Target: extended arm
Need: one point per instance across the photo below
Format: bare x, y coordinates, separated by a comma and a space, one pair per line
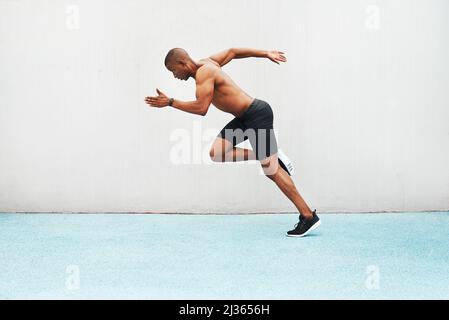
247, 53
226, 56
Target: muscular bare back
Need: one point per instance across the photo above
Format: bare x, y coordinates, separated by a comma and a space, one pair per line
228, 96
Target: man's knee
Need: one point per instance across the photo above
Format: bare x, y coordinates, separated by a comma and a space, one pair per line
212, 155
270, 168
218, 149
216, 155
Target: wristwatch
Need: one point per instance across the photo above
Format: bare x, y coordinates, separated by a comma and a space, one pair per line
170, 101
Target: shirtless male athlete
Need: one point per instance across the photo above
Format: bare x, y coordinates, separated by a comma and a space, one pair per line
253, 120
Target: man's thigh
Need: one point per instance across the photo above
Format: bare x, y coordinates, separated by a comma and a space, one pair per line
233, 132
264, 143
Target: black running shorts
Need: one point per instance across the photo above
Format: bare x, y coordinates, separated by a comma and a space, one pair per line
256, 124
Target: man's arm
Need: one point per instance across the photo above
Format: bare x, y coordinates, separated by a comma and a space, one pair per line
225, 56
247, 53
204, 93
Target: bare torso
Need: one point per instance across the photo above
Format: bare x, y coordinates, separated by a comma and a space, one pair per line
228, 96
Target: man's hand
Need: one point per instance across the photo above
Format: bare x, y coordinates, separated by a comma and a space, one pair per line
159, 102
276, 56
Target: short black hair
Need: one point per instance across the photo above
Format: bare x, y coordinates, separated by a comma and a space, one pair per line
174, 55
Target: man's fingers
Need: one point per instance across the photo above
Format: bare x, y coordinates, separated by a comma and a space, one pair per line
153, 101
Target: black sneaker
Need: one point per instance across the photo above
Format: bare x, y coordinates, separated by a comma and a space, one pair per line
305, 226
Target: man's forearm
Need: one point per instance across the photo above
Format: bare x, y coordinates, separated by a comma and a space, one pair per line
248, 52
189, 106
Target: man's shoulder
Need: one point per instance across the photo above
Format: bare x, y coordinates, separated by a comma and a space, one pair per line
207, 70
208, 61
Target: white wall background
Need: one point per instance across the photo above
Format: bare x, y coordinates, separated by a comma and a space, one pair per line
361, 106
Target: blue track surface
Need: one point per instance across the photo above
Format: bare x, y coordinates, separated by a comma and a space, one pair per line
351, 256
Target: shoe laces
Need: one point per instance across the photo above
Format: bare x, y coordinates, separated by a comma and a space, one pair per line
301, 220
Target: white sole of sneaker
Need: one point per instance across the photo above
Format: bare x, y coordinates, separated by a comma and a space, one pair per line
316, 225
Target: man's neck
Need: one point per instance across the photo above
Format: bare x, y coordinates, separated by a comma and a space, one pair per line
194, 66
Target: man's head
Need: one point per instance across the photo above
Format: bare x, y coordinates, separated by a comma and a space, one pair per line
179, 62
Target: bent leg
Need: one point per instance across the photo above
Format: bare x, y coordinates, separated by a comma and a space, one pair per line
223, 150
275, 173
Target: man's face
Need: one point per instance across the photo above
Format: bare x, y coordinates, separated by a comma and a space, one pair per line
180, 71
